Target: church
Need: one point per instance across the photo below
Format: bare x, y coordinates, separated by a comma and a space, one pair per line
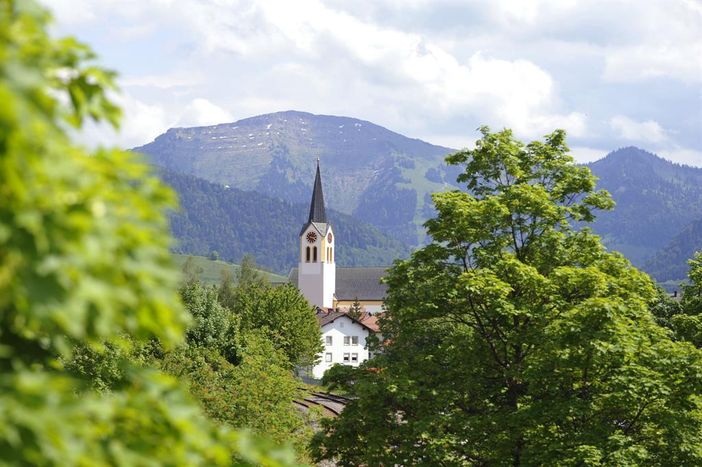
332, 290
320, 281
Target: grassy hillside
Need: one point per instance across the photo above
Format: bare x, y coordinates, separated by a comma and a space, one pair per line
211, 271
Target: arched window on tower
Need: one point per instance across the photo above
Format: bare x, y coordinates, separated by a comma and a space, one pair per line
331, 255
307, 257
314, 254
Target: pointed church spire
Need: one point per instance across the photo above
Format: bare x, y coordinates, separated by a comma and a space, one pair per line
317, 211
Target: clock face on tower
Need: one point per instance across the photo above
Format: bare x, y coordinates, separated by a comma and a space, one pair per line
329, 237
311, 237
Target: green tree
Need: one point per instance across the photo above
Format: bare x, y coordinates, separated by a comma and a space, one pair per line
284, 316
692, 292
356, 310
256, 393
191, 271
83, 260
248, 274
687, 322
514, 339
226, 292
214, 327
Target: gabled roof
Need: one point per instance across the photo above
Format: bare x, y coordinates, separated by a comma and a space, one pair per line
325, 318
352, 283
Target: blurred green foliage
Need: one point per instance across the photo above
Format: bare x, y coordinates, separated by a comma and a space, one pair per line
84, 260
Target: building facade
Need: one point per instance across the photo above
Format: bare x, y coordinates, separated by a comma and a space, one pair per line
344, 339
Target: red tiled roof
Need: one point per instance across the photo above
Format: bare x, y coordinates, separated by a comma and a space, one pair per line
366, 320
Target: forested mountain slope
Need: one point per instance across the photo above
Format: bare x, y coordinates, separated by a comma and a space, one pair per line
235, 222
670, 263
372, 173
656, 199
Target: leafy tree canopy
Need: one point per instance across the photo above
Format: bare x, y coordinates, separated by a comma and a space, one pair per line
284, 316
279, 312
84, 259
515, 339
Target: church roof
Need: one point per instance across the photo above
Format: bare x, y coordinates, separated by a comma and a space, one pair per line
352, 283
317, 211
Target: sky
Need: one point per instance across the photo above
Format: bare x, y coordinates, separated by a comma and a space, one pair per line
612, 73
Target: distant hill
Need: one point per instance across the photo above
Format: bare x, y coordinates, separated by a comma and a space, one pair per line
210, 271
383, 178
656, 199
670, 263
235, 222
375, 175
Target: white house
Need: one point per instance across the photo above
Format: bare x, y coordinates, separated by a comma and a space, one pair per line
344, 340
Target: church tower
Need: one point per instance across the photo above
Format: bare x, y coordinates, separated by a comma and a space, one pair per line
317, 270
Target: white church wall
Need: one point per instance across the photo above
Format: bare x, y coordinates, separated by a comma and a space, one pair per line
316, 279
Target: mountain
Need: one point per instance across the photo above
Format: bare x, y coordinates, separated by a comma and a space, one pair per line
656, 199
383, 178
233, 223
375, 175
670, 263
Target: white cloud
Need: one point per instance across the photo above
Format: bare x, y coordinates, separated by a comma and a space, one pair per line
513, 93
648, 131
141, 123
669, 44
642, 62
585, 154
68, 13
201, 112
431, 68
682, 155
164, 80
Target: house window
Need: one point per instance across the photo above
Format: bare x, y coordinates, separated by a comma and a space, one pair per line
328, 357
354, 357
314, 254
347, 340
307, 256
354, 340
347, 356
328, 340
